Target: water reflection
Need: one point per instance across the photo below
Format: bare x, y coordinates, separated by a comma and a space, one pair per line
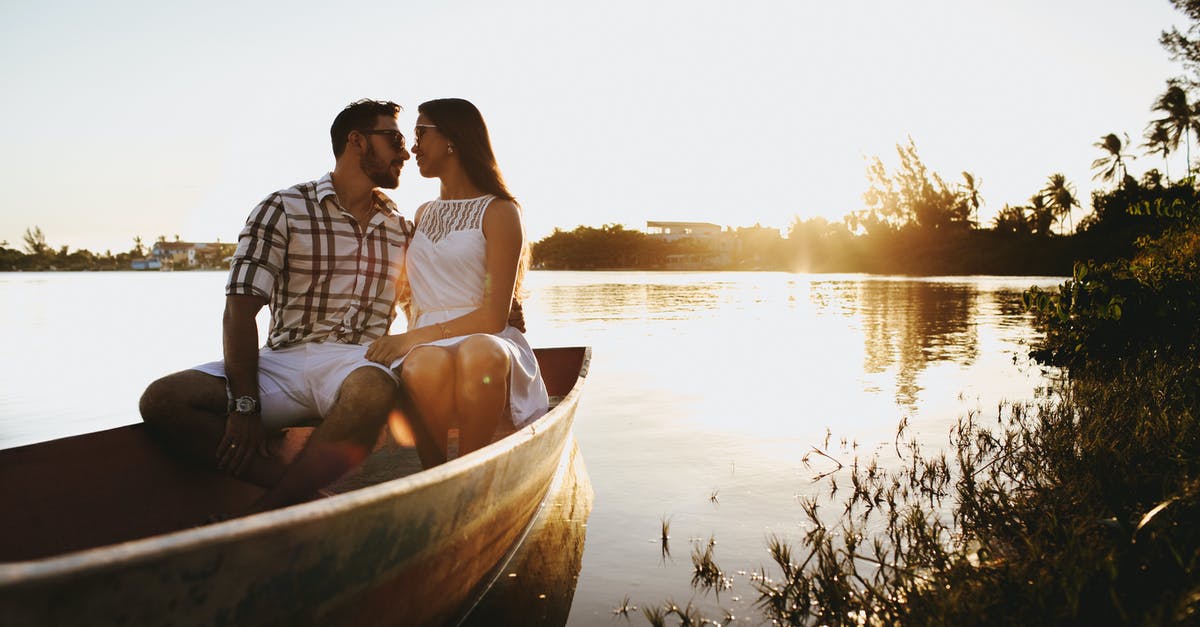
905, 325
537, 586
623, 300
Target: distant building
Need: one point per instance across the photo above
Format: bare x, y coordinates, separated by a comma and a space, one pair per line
672, 231
704, 245
147, 263
181, 255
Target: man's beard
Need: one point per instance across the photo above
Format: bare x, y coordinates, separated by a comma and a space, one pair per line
378, 170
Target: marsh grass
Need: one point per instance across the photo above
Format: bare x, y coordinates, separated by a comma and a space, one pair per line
1078, 510
706, 575
665, 541
687, 616
625, 608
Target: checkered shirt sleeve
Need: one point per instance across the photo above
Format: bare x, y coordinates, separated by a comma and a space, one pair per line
261, 250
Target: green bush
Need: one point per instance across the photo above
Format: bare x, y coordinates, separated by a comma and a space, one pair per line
1116, 310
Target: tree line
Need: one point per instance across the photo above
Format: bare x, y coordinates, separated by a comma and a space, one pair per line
36, 254
915, 222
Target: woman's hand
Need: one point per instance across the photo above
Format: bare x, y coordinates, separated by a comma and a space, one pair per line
389, 348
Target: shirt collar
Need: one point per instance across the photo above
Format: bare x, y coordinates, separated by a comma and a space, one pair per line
382, 202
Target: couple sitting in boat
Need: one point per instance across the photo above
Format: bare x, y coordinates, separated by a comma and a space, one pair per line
332, 259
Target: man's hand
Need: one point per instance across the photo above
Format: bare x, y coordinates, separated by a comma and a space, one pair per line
389, 348
516, 316
244, 438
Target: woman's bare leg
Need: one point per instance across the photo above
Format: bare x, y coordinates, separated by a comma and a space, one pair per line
427, 375
481, 389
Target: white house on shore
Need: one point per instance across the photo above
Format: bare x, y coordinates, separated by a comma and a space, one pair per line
146, 263
171, 255
672, 231
715, 246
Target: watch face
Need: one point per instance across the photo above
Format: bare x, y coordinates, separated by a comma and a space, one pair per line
245, 405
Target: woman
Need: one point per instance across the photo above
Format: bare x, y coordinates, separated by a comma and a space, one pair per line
460, 362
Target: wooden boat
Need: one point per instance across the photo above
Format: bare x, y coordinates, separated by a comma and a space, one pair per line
98, 531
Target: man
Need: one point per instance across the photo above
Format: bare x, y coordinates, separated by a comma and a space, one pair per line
325, 257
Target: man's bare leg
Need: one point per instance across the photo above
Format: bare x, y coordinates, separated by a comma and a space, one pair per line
342, 441
186, 411
427, 447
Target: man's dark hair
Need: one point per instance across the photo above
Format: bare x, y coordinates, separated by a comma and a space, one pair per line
358, 116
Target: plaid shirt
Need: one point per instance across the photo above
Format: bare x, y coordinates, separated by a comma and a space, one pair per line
325, 279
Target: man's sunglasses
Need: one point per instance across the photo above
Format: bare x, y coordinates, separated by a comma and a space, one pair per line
397, 138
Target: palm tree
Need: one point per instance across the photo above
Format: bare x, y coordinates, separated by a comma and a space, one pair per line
1041, 215
970, 188
1158, 140
35, 241
1012, 220
1180, 117
1060, 197
1113, 161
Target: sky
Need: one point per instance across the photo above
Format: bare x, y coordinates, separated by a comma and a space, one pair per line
123, 118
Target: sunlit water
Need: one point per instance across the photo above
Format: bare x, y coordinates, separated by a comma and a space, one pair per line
706, 391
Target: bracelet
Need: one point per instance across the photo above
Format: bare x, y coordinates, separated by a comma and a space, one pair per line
444, 329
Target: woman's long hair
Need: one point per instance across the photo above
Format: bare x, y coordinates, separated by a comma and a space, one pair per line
460, 122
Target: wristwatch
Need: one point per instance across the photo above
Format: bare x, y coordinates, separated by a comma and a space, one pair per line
244, 405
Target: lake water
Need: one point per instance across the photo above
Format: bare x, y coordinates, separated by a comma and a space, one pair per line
706, 391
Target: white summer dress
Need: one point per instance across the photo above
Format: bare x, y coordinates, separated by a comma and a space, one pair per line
446, 267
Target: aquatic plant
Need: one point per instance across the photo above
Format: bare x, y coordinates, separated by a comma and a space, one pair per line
624, 608
665, 542
706, 575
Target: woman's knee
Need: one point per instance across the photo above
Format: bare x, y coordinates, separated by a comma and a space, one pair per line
429, 376
482, 359
482, 369
427, 368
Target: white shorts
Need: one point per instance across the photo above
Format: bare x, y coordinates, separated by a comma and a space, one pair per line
298, 385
